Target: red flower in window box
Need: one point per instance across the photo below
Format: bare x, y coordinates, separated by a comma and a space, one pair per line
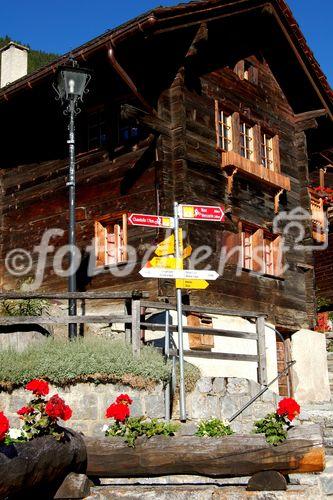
289, 408
118, 411
56, 408
4, 426
25, 410
124, 399
38, 387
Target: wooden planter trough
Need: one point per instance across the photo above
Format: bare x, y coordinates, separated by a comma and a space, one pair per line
236, 455
40, 465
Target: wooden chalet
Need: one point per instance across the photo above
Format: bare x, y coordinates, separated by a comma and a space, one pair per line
217, 102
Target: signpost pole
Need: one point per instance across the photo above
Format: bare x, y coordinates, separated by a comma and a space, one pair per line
182, 402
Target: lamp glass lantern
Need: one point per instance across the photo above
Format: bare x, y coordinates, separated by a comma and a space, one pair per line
71, 82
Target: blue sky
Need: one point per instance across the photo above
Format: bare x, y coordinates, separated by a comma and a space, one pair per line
59, 26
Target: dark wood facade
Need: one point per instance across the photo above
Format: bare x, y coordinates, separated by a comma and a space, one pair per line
184, 61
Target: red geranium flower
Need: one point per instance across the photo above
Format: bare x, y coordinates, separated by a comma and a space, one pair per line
124, 399
118, 411
4, 426
56, 408
25, 410
38, 387
289, 408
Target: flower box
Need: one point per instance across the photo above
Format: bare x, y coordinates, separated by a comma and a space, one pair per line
40, 463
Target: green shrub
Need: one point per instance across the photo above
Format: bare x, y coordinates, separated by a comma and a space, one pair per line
214, 427
96, 360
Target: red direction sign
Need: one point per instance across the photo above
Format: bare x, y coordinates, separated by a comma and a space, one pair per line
150, 220
201, 212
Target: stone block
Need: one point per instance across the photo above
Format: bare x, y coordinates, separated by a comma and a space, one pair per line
204, 385
86, 407
74, 486
155, 406
229, 405
219, 385
204, 407
237, 386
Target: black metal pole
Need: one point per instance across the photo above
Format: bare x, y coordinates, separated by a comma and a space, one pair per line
72, 327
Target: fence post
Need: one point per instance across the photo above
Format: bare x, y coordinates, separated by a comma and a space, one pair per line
128, 326
261, 345
136, 327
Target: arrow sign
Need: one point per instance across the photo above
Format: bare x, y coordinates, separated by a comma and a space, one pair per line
201, 212
167, 246
151, 272
192, 284
166, 262
150, 220
187, 252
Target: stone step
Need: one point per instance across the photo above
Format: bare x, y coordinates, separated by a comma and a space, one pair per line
202, 492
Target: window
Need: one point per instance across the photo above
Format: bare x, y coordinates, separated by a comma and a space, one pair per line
267, 151
223, 130
319, 230
261, 251
253, 248
246, 140
111, 241
97, 128
247, 71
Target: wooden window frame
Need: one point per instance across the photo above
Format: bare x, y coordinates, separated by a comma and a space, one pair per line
224, 129
246, 140
319, 229
266, 150
111, 240
259, 238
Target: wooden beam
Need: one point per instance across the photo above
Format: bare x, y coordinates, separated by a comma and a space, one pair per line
236, 455
261, 343
204, 331
72, 295
61, 320
217, 355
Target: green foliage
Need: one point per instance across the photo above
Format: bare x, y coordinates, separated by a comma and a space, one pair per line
134, 427
322, 302
273, 426
25, 307
214, 427
96, 360
36, 58
192, 376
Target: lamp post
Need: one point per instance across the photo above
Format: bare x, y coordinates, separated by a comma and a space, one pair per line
70, 85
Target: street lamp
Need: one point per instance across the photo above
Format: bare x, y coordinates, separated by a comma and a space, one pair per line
70, 85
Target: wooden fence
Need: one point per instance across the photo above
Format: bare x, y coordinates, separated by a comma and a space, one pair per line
134, 319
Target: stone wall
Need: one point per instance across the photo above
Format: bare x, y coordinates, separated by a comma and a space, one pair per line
219, 397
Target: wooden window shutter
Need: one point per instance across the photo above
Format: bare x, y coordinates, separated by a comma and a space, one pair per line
117, 242
278, 263
239, 69
217, 119
198, 341
230, 242
257, 144
235, 128
100, 244
258, 250
276, 154
253, 74
124, 254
